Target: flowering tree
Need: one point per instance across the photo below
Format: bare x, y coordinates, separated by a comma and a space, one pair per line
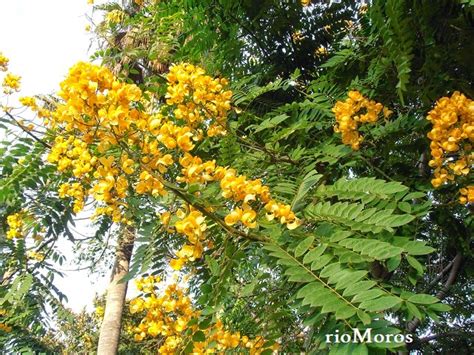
291, 209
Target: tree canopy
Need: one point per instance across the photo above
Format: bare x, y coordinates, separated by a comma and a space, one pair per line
272, 175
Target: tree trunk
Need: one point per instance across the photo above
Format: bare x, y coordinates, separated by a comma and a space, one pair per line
111, 324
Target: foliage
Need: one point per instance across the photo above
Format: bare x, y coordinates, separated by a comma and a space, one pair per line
260, 204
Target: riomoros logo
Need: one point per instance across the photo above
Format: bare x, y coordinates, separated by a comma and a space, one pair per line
367, 337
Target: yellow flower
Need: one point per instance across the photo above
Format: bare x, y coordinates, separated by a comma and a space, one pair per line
28, 102
136, 305
452, 131
99, 311
321, 51
177, 264
115, 16
168, 315
11, 83
6, 328
233, 217
3, 62
15, 224
34, 255
466, 195
349, 116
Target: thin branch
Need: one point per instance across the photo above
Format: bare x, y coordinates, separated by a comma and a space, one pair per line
28, 132
438, 278
459, 333
381, 172
456, 264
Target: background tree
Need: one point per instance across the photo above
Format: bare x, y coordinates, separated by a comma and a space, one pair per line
377, 239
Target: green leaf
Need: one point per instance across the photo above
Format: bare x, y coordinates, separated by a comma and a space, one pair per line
393, 262
364, 317
271, 122
423, 299
358, 287
330, 270
319, 298
248, 289
340, 235
311, 288
440, 307
199, 336
298, 274
380, 304
417, 248
303, 246
331, 304
315, 253
414, 310
321, 262
349, 349
415, 264
350, 279
398, 220
368, 295
213, 265
404, 206
414, 195
345, 311
307, 183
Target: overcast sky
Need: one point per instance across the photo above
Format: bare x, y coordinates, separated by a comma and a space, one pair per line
43, 39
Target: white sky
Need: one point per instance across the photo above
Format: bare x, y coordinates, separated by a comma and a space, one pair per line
43, 39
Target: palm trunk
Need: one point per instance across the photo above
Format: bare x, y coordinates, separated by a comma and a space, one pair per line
111, 324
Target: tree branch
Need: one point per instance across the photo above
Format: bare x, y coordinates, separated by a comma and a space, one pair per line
459, 333
456, 264
28, 132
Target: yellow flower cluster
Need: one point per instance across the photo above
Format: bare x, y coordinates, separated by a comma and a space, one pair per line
238, 188
467, 194
31, 103
168, 314
172, 136
451, 138
115, 16
3, 326
192, 225
6, 328
305, 2
97, 109
297, 36
282, 212
102, 121
15, 225
198, 98
97, 103
99, 312
11, 83
72, 153
28, 102
3, 62
30, 254
321, 51
74, 190
352, 112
